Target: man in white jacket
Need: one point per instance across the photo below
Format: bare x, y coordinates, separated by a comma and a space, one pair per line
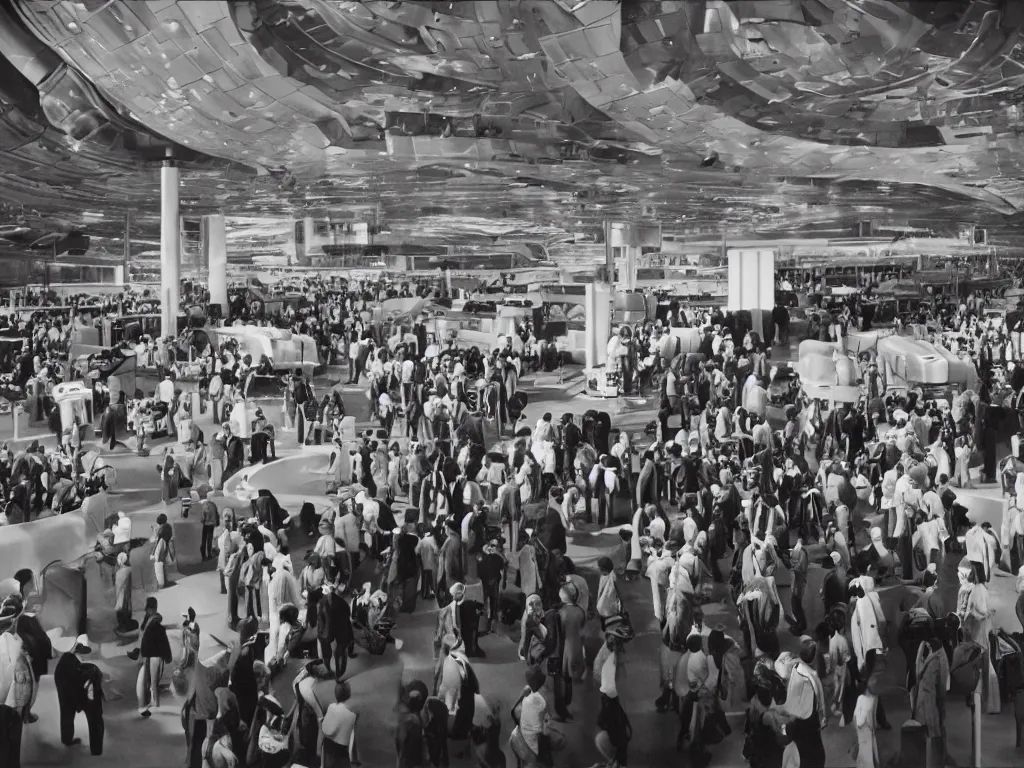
982, 550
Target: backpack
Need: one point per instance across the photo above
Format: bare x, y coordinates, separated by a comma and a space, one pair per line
965, 670
301, 391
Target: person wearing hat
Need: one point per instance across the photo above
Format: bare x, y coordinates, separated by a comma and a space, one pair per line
457, 687
609, 672
152, 653
35, 641
79, 689
806, 704
451, 564
449, 621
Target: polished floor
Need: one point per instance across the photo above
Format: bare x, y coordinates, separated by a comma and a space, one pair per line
159, 741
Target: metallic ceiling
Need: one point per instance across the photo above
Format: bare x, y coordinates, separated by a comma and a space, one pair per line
530, 118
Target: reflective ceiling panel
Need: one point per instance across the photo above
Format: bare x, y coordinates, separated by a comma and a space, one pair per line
525, 119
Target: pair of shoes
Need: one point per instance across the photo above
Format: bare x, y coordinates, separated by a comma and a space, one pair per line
145, 713
74, 742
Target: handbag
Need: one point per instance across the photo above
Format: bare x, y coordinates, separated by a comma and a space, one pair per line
965, 669
272, 739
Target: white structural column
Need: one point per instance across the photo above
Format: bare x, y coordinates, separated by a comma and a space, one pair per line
598, 306
170, 250
752, 283
215, 243
308, 236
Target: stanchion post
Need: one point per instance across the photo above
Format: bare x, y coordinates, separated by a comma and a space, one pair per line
976, 728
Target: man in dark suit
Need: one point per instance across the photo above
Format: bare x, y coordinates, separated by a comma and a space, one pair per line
79, 689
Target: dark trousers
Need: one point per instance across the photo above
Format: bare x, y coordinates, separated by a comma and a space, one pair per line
94, 717
11, 726
232, 586
300, 425
253, 602
195, 735
66, 705
796, 604
612, 720
426, 584
206, 543
562, 685
492, 602
340, 656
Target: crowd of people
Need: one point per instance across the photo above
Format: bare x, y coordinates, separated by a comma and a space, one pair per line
452, 497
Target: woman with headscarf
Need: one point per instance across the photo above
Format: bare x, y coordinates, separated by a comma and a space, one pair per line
805, 703
457, 688
973, 608
533, 642
123, 594
282, 590
168, 470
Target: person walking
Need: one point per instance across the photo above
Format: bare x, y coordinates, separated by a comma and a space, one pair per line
153, 654
209, 516
79, 689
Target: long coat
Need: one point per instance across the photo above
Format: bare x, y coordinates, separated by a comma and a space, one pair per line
573, 619
341, 621
930, 706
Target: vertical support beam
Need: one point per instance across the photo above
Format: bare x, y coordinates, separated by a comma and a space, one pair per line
309, 235
170, 249
127, 254
215, 244
632, 252
598, 307
609, 254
